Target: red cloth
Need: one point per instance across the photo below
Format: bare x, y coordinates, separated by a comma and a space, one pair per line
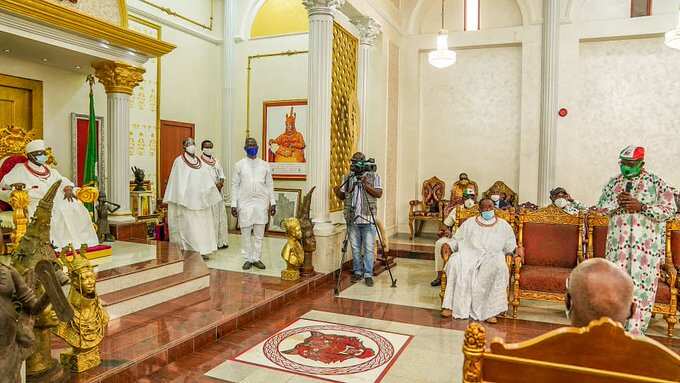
6, 167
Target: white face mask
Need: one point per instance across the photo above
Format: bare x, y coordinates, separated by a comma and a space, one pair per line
208, 152
561, 203
495, 197
469, 203
191, 149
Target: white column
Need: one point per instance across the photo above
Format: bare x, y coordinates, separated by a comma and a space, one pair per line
230, 23
319, 100
549, 70
119, 79
369, 30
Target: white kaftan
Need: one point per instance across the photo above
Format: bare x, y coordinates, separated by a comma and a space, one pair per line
449, 221
190, 194
477, 275
71, 222
219, 211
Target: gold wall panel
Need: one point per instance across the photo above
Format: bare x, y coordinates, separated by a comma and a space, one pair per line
344, 123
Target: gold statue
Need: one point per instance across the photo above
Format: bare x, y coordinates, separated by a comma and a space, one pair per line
292, 251
86, 330
308, 238
19, 201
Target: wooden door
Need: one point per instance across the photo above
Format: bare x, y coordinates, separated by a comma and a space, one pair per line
21, 104
172, 135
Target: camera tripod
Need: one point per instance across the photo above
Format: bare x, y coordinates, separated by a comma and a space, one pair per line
358, 187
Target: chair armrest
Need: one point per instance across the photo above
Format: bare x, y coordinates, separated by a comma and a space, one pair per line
669, 274
414, 204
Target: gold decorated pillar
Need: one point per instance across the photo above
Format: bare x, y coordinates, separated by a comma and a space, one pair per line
119, 79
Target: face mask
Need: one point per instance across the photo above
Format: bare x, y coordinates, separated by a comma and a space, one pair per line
208, 152
495, 197
631, 171
41, 159
191, 149
251, 151
468, 203
488, 215
561, 203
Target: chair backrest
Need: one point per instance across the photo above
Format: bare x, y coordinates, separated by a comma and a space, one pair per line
462, 214
601, 352
598, 226
433, 186
501, 187
673, 241
550, 237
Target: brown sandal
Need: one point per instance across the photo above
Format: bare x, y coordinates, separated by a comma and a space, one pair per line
446, 313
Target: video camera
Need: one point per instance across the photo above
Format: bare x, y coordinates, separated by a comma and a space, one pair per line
363, 166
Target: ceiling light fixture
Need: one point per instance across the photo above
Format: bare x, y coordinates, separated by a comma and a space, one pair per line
672, 39
44, 60
6, 51
77, 67
443, 56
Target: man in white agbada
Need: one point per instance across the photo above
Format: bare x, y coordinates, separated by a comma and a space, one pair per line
252, 199
71, 222
477, 275
190, 194
219, 211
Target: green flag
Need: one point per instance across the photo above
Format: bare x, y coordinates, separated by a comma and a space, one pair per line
90, 168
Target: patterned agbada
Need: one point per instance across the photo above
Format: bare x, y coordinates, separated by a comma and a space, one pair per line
636, 242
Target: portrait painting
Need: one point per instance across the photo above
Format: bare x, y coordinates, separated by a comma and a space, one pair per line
287, 201
284, 133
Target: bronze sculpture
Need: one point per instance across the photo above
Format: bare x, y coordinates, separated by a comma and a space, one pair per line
292, 251
86, 330
139, 179
308, 238
104, 208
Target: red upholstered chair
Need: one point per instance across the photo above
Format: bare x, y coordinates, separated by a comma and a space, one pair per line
552, 241
666, 301
429, 208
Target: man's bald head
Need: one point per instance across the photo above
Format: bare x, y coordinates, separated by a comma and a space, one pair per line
598, 288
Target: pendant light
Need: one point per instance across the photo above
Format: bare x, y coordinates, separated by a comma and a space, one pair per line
443, 56
673, 36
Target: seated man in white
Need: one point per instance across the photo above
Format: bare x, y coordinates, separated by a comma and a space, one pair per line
71, 223
477, 275
563, 200
468, 201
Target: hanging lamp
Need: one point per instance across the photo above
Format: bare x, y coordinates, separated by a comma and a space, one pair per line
443, 56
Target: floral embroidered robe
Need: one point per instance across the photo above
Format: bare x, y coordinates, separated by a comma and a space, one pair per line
636, 242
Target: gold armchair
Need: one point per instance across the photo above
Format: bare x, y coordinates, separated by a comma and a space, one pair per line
427, 209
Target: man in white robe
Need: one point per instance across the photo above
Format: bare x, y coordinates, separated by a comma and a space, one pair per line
252, 201
190, 194
71, 222
477, 275
219, 211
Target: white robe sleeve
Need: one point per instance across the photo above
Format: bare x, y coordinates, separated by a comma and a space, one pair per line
510, 241
235, 186
451, 218
220, 171
269, 183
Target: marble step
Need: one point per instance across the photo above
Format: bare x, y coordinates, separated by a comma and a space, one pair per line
113, 280
141, 296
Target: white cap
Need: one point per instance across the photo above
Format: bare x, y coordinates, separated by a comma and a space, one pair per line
34, 146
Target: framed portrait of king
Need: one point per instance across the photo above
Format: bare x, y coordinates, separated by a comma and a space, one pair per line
285, 127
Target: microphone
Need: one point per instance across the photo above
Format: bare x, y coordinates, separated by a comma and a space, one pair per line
629, 187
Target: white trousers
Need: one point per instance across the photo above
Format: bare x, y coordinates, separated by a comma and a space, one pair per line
219, 213
251, 248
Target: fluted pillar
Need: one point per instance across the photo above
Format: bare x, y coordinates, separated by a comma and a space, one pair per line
369, 30
119, 80
319, 101
549, 94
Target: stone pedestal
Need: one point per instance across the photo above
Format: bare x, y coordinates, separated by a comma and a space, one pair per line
329, 250
119, 79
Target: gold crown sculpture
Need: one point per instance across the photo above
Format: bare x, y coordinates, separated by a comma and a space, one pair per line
290, 118
77, 259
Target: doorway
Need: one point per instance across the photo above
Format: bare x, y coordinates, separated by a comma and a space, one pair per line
171, 136
21, 104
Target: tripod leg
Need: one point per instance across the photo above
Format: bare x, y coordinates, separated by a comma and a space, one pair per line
342, 262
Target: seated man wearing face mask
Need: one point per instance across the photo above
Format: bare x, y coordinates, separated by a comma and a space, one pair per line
563, 200
477, 275
71, 223
500, 200
468, 201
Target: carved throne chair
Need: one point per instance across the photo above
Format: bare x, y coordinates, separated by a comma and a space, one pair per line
501, 187
553, 246
666, 300
429, 208
463, 214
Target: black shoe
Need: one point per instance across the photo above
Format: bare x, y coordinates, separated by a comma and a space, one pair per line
369, 282
223, 247
436, 282
247, 266
259, 265
356, 278
205, 257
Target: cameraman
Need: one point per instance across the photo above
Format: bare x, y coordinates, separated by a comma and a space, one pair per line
362, 229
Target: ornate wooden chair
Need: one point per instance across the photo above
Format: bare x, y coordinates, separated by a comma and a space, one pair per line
666, 300
429, 208
553, 246
501, 187
463, 214
601, 352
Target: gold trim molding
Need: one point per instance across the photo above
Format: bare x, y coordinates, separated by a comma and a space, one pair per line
174, 13
118, 77
56, 16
